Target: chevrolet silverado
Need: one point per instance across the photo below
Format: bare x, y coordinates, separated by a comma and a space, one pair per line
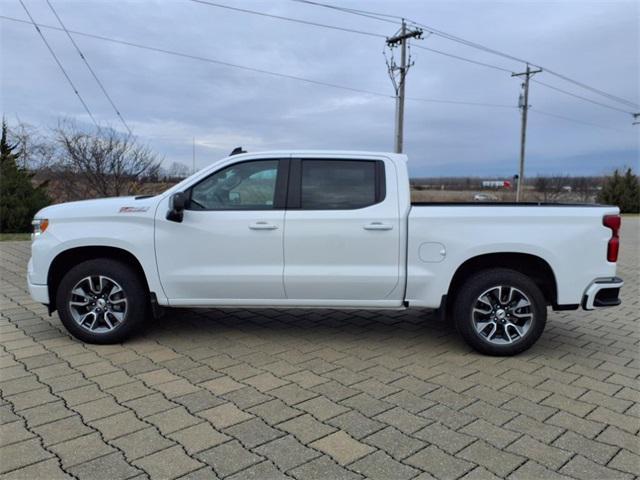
325, 229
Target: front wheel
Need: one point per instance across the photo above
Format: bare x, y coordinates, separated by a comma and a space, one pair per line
102, 301
500, 312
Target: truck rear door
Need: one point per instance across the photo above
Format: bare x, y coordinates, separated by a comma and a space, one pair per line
342, 232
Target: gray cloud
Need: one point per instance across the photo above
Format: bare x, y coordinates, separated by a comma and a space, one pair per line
168, 100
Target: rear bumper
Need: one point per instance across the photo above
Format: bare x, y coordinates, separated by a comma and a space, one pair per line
603, 292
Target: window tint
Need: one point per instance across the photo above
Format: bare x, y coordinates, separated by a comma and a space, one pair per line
243, 186
338, 184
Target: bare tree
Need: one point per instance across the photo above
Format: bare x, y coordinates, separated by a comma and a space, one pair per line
101, 164
35, 150
178, 170
549, 189
586, 188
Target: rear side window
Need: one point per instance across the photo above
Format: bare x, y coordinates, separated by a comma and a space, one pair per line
340, 184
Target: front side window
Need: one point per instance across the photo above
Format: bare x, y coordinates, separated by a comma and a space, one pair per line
338, 184
243, 186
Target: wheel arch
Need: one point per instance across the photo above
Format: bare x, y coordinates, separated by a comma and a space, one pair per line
530, 265
67, 259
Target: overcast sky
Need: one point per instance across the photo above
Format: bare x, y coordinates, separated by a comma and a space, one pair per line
168, 100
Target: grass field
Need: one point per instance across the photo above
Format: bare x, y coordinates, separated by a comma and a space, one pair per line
7, 237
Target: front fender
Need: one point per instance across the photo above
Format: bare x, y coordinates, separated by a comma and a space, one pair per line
131, 234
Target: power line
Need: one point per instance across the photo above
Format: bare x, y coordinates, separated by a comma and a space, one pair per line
434, 31
344, 29
511, 57
456, 102
594, 90
363, 13
586, 99
55, 57
89, 67
430, 29
289, 19
244, 67
496, 67
205, 59
351, 10
469, 43
574, 120
361, 32
464, 59
277, 74
484, 48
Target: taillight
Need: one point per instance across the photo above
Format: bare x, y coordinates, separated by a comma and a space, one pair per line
613, 222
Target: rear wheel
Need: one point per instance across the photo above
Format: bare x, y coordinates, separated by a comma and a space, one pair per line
102, 301
500, 312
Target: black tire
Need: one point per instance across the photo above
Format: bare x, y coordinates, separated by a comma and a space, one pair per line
468, 297
132, 286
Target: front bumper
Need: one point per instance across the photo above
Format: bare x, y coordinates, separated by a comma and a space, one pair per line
40, 293
603, 292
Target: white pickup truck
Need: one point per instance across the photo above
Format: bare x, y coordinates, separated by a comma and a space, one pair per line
327, 229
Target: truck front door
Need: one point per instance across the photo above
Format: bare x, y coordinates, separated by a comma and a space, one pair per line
228, 249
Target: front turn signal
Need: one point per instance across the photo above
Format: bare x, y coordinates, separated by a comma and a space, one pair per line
39, 226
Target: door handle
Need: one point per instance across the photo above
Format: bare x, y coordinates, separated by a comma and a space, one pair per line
378, 226
263, 226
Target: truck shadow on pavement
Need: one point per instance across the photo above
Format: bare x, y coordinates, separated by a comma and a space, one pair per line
397, 333
321, 325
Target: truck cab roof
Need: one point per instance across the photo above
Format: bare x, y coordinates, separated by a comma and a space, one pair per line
355, 154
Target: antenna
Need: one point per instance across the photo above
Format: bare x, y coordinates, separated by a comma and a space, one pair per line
237, 151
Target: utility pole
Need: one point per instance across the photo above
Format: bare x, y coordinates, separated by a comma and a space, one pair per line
524, 106
398, 74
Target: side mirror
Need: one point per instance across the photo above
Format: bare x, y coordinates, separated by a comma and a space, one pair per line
177, 202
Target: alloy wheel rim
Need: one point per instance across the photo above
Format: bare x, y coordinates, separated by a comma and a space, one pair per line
502, 315
98, 304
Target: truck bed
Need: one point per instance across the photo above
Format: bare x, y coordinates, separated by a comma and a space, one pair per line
443, 236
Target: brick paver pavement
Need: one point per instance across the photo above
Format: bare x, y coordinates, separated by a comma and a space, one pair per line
317, 394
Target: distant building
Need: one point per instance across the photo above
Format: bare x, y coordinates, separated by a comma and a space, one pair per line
496, 184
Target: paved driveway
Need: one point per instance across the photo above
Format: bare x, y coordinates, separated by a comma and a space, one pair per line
317, 394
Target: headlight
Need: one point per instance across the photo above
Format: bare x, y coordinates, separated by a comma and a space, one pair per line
39, 226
